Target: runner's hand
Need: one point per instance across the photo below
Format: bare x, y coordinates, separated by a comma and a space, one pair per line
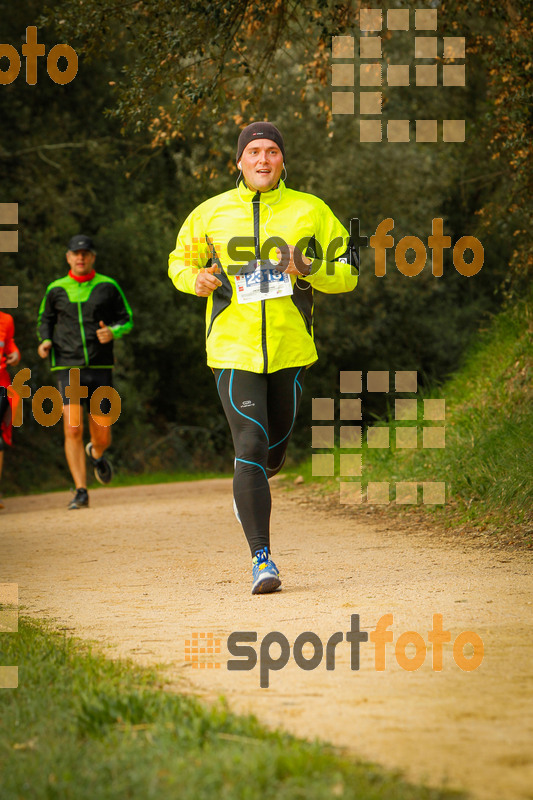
104, 333
206, 283
13, 358
291, 261
44, 348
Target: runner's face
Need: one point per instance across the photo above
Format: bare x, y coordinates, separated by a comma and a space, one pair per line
80, 261
261, 163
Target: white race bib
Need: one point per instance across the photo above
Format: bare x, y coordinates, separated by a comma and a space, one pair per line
262, 284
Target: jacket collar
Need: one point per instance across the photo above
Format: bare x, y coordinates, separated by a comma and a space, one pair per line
270, 197
82, 278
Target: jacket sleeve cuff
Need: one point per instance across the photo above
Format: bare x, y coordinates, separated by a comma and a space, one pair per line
120, 330
185, 280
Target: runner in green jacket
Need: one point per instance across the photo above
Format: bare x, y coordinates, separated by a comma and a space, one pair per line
257, 253
79, 317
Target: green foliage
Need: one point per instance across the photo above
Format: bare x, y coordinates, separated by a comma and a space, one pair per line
491, 437
499, 45
487, 462
147, 130
183, 61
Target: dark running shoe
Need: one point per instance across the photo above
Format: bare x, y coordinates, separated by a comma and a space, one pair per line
103, 471
80, 500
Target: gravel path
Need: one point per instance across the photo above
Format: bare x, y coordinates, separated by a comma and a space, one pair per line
147, 567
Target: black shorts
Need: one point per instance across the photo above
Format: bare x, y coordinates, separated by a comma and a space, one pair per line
92, 379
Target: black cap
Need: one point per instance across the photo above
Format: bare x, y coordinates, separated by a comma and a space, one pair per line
259, 130
81, 242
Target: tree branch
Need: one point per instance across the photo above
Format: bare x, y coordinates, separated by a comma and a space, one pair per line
482, 177
63, 145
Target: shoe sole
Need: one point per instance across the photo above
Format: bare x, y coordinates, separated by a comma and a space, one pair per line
266, 586
105, 475
76, 507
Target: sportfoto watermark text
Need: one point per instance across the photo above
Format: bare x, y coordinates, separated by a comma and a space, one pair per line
74, 392
241, 250
31, 51
246, 657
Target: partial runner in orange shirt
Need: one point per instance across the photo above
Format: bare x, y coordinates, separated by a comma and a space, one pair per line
9, 356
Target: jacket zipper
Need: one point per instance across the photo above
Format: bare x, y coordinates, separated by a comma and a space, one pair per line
255, 205
82, 331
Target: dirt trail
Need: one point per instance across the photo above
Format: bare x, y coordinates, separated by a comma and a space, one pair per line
146, 567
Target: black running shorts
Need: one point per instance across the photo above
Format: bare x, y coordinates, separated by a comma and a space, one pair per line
92, 379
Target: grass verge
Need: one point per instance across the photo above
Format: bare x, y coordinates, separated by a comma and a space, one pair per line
81, 727
487, 461
123, 479
162, 477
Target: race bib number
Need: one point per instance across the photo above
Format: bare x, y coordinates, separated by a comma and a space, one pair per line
262, 284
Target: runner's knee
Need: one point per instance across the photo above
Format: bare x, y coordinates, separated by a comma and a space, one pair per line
252, 446
73, 432
274, 463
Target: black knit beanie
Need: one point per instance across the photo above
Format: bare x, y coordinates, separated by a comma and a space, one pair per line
259, 130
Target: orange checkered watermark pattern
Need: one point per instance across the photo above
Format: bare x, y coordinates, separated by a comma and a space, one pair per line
198, 249
200, 649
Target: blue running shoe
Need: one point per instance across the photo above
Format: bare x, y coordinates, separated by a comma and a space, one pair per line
265, 574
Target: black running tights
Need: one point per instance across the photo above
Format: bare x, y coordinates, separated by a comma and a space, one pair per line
260, 409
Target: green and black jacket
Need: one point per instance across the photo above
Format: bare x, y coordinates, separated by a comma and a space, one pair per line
70, 315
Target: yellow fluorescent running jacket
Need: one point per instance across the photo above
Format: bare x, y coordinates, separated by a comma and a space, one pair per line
235, 231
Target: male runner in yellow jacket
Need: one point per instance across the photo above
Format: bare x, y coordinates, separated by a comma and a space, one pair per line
244, 251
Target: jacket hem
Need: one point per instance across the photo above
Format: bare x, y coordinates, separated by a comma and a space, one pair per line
259, 369
81, 366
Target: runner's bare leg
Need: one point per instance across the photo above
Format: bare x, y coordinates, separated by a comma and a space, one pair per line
73, 429
100, 434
